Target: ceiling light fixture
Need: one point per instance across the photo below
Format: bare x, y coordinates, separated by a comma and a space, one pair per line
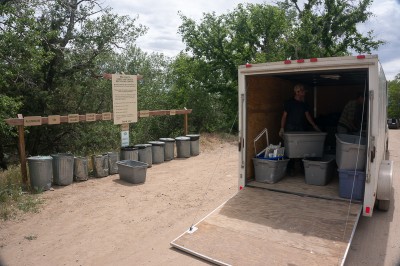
330, 76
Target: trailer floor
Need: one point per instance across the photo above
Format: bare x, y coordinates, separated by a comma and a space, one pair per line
263, 227
297, 185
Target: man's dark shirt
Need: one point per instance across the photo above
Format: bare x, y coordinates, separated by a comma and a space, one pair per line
296, 119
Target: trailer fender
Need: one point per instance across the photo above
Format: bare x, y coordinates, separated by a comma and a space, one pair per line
384, 188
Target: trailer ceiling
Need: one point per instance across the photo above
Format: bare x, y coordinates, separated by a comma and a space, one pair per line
327, 78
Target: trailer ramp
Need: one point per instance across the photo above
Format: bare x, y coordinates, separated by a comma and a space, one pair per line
263, 227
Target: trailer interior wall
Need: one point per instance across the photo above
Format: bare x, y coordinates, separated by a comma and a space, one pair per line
265, 97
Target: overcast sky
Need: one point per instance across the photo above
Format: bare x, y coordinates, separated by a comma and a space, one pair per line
161, 17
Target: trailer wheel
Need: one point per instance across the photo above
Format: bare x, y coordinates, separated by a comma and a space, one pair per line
383, 205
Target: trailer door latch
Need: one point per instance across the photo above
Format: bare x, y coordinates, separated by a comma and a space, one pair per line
373, 150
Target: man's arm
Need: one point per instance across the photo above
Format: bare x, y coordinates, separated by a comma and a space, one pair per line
311, 121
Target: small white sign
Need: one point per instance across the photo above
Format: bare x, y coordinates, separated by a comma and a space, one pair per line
90, 117
106, 116
73, 118
53, 119
32, 121
144, 113
124, 138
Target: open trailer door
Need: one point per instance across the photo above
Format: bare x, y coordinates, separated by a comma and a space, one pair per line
262, 227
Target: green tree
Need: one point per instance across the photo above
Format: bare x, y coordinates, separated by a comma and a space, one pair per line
189, 91
8, 108
394, 97
218, 44
329, 28
257, 33
48, 54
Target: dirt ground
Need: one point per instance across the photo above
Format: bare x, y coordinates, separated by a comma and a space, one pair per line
105, 221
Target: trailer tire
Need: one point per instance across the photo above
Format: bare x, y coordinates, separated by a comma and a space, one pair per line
383, 205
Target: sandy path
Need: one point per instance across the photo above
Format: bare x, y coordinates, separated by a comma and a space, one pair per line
106, 221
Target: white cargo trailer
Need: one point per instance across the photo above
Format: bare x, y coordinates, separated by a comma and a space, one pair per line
291, 222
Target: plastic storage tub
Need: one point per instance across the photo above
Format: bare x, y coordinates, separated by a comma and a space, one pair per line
269, 171
346, 180
132, 171
346, 152
319, 171
304, 144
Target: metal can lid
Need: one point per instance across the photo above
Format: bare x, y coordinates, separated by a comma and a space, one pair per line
182, 138
142, 146
193, 136
40, 158
167, 139
157, 143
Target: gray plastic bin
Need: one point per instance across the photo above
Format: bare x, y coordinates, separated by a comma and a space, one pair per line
129, 153
100, 165
63, 169
269, 171
304, 144
40, 172
182, 147
319, 171
169, 148
132, 171
194, 144
113, 158
81, 169
145, 153
157, 151
347, 149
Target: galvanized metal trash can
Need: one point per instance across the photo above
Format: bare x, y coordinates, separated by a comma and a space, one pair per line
100, 165
169, 148
145, 153
194, 144
81, 169
63, 169
182, 147
157, 151
113, 158
129, 153
40, 172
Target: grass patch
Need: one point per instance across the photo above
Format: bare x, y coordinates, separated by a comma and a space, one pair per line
12, 196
